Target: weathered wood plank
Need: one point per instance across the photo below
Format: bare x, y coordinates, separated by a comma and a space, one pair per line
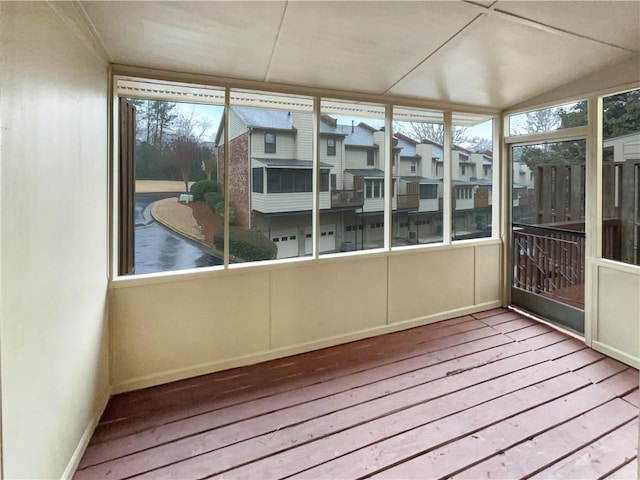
599, 458
627, 472
418, 385
212, 396
451, 458
599, 371
121, 446
540, 452
432, 416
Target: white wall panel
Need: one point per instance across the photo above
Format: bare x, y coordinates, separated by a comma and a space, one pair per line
53, 188
425, 284
615, 328
321, 301
163, 329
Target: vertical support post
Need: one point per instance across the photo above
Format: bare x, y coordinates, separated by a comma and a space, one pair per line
227, 148
315, 213
388, 175
447, 203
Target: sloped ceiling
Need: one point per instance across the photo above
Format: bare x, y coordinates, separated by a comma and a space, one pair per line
489, 54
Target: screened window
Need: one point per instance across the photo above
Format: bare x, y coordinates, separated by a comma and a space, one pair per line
370, 158
258, 180
269, 142
331, 146
428, 192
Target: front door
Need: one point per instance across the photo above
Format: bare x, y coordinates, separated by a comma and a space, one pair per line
548, 231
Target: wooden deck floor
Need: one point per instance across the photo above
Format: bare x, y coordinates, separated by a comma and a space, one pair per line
492, 395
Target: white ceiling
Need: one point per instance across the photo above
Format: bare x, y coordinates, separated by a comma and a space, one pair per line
490, 54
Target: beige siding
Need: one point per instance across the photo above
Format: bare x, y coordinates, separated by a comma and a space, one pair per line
236, 126
287, 202
55, 379
285, 145
303, 122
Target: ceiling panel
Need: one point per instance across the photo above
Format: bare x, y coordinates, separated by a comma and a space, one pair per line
499, 63
616, 23
220, 38
365, 46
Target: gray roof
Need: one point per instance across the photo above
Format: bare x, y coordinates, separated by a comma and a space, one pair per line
484, 181
487, 162
289, 162
360, 137
268, 119
408, 149
421, 180
462, 183
365, 172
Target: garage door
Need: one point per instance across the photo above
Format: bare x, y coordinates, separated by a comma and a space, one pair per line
327, 239
287, 242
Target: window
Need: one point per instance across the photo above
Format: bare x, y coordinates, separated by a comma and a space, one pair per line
413, 167
324, 180
370, 158
331, 146
374, 188
464, 193
428, 192
269, 142
162, 162
463, 170
258, 180
285, 180
621, 177
334, 181
549, 119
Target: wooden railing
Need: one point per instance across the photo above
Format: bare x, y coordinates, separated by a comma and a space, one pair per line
548, 260
347, 198
409, 200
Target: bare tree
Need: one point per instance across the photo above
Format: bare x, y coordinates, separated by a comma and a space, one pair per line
188, 125
208, 160
433, 132
182, 153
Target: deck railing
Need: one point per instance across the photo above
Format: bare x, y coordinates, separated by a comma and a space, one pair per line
409, 200
347, 198
547, 259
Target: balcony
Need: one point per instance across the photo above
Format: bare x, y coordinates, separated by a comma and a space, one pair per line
549, 259
347, 198
470, 397
409, 200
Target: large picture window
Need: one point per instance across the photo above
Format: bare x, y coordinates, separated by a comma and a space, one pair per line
179, 154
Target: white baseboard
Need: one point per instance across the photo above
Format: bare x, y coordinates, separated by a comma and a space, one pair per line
74, 461
263, 356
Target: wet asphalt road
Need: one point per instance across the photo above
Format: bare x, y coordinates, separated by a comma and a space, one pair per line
158, 249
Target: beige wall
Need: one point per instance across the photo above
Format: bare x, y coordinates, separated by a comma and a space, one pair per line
53, 250
194, 323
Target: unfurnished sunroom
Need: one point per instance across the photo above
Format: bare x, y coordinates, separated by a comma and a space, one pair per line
415, 169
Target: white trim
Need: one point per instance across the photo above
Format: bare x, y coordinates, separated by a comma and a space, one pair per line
615, 353
74, 461
315, 161
215, 366
575, 133
211, 80
288, 263
227, 150
388, 176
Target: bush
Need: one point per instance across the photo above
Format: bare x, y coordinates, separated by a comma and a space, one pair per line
218, 209
246, 244
212, 199
199, 189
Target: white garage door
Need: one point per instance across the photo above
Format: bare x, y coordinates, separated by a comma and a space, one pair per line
327, 239
287, 242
